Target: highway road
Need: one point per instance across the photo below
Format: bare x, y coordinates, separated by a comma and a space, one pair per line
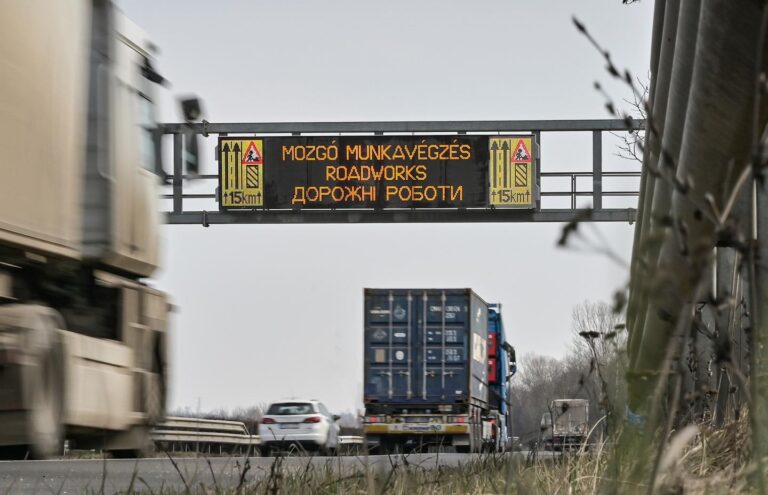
70, 476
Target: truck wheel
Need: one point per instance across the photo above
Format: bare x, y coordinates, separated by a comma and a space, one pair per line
41, 383
374, 450
130, 444
153, 400
155, 389
46, 398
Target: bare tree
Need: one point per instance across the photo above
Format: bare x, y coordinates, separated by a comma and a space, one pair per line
592, 369
633, 141
599, 346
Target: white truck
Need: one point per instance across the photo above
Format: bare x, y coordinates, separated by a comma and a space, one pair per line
566, 425
83, 338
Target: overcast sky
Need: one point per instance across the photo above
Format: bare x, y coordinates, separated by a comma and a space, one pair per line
267, 312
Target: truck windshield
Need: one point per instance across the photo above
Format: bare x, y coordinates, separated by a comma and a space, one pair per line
290, 408
146, 115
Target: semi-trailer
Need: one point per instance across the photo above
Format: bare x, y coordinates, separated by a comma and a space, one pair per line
436, 370
83, 337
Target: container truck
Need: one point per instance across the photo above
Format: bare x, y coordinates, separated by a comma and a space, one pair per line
83, 340
436, 365
566, 425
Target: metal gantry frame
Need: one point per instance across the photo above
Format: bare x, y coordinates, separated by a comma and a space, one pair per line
181, 215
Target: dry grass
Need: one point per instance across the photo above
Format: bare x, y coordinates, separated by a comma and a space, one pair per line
713, 464
716, 461
696, 460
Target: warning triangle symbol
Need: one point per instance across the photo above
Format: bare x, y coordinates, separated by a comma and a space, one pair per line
521, 152
252, 155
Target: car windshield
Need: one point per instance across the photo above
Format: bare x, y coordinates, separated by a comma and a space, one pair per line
290, 408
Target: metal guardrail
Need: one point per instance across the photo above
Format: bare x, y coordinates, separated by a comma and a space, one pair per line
177, 434
204, 425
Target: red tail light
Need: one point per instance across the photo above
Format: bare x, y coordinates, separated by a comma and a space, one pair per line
492, 370
312, 419
267, 421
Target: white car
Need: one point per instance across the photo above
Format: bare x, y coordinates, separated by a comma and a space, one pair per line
304, 423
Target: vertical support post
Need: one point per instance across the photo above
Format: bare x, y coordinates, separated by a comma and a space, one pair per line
390, 350
597, 170
537, 163
759, 311
443, 298
573, 191
424, 315
409, 394
724, 269
178, 171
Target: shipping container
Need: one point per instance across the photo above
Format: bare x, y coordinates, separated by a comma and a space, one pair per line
425, 347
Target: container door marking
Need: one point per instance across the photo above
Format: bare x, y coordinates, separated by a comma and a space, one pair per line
442, 333
478, 348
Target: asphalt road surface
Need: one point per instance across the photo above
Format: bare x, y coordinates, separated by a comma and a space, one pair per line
71, 476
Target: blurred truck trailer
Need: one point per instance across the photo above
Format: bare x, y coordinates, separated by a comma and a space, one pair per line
436, 370
83, 341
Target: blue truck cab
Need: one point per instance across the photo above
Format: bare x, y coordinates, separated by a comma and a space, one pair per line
502, 365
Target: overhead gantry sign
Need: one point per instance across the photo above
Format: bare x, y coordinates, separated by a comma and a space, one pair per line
389, 172
377, 172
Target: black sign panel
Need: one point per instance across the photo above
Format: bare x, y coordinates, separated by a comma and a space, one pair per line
358, 172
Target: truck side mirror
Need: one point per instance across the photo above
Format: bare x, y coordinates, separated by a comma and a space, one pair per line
191, 108
512, 360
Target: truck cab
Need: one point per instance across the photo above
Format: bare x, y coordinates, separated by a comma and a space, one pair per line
83, 337
569, 423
